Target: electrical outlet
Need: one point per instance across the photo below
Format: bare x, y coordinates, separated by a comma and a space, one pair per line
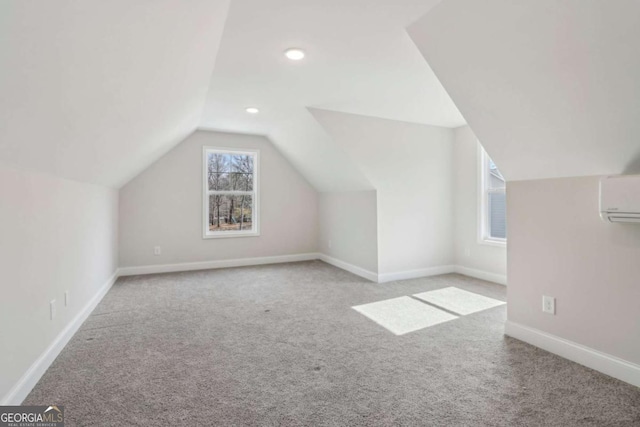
52, 308
66, 298
157, 250
329, 244
467, 252
548, 304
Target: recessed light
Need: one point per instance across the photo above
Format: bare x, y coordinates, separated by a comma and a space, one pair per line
294, 54
252, 110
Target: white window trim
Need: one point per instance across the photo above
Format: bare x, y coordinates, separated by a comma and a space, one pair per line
483, 203
206, 234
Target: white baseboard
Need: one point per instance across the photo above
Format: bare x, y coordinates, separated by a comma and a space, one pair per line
358, 271
206, 265
594, 359
480, 274
25, 384
413, 274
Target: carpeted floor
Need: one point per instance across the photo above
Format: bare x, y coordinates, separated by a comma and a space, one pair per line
280, 345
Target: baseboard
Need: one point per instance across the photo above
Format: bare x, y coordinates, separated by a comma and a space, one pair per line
358, 271
207, 265
23, 387
413, 274
594, 359
480, 274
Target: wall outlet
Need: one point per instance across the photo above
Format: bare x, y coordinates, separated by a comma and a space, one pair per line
467, 252
52, 309
329, 244
157, 250
548, 304
66, 298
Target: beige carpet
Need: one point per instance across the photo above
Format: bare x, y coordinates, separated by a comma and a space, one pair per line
281, 345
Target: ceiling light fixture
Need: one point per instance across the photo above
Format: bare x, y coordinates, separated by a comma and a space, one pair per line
252, 110
294, 54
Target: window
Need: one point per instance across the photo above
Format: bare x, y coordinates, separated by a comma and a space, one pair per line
231, 193
493, 203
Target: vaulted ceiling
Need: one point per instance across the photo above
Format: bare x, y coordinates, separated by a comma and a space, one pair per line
551, 88
359, 60
97, 90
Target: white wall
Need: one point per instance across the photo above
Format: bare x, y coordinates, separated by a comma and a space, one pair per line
163, 207
57, 235
348, 228
473, 258
558, 246
410, 165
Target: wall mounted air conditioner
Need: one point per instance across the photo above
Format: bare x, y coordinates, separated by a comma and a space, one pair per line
620, 198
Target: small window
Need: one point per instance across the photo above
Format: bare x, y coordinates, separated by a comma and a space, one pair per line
231, 193
493, 204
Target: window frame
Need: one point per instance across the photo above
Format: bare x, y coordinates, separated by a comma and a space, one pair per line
484, 226
255, 213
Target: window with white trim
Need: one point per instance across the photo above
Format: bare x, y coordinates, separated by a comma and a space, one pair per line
231, 193
493, 204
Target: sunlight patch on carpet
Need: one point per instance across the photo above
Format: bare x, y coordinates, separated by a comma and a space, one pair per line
403, 315
458, 301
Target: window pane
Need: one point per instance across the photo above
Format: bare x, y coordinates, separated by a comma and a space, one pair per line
241, 172
496, 180
229, 172
218, 168
230, 213
494, 169
497, 215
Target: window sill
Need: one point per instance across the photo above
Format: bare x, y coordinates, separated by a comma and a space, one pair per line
231, 235
493, 242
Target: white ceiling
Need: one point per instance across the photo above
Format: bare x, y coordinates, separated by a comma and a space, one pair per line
97, 90
551, 88
359, 60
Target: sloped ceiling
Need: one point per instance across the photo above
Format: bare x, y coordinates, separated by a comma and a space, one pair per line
359, 60
551, 88
368, 139
97, 90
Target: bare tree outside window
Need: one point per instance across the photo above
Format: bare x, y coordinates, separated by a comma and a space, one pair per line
231, 192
